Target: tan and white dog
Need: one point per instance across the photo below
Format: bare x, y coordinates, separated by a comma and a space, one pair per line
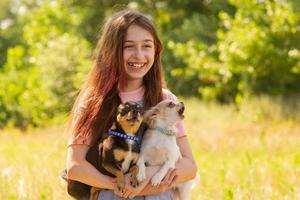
159, 145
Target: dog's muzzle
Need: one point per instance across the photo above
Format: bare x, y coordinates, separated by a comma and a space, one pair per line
181, 110
134, 116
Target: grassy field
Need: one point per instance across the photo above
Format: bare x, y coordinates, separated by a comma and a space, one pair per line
250, 153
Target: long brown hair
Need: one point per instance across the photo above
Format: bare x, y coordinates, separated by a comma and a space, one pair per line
100, 95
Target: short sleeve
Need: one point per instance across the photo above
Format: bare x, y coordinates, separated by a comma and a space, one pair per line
180, 125
79, 138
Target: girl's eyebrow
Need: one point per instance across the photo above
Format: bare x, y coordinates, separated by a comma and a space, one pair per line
146, 40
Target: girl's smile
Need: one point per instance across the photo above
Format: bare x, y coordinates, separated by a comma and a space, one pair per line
135, 67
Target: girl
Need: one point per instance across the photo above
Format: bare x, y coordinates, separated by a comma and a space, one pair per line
127, 68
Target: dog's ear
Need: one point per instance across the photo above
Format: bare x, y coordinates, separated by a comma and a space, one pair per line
150, 117
121, 107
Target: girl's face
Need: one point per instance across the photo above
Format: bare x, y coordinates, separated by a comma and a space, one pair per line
138, 52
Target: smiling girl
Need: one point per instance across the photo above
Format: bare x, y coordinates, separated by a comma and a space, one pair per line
127, 67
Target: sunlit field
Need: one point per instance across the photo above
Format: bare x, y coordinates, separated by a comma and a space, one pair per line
250, 153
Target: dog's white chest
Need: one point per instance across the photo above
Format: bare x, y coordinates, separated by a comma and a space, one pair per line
128, 158
157, 149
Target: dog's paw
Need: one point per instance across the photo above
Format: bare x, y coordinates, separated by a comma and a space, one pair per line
141, 175
121, 183
156, 180
133, 181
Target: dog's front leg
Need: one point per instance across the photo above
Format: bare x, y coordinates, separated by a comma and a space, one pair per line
157, 178
133, 179
141, 175
118, 173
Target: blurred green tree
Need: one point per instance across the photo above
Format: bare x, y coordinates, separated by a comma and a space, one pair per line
41, 77
224, 50
257, 51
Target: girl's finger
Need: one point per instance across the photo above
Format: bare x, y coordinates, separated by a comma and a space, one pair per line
119, 194
126, 194
167, 177
173, 183
172, 175
131, 196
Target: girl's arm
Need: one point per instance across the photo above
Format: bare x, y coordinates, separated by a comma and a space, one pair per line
81, 170
186, 169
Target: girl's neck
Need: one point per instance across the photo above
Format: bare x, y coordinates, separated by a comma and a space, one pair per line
133, 85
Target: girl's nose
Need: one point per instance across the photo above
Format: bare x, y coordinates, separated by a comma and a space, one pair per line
138, 53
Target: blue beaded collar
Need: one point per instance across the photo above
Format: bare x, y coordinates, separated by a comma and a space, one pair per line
122, 135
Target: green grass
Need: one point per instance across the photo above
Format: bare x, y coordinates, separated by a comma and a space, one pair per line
30, 164
250, 153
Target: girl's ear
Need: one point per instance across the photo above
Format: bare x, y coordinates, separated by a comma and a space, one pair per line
150, 117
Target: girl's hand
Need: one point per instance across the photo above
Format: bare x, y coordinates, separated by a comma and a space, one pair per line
168, 181
170, 178
129, 191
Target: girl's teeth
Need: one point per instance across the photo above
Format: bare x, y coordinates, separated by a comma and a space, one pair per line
136, 65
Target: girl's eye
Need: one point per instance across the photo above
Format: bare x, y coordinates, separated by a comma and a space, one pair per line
128, 46
147, 46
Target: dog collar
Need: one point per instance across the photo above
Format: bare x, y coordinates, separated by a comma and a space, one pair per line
167, 132
122, 135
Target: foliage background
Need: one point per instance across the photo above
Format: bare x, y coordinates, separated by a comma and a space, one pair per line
214, 50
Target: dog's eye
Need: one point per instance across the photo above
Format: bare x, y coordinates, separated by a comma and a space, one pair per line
171, 105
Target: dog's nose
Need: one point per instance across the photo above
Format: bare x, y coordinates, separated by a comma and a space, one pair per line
134, 112
182, 105
181, 110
